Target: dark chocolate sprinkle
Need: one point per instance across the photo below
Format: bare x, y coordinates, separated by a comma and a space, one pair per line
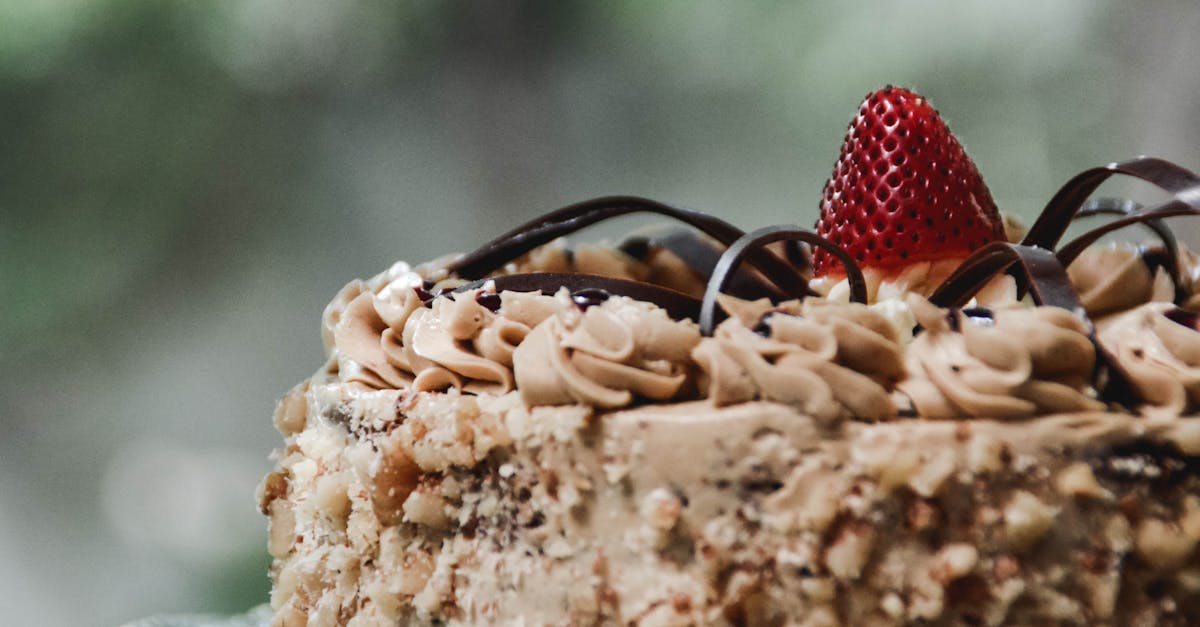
763, 327
980, 316
589, 297
952, 319
491, 300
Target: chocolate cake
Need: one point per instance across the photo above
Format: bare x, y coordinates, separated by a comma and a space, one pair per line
900, 418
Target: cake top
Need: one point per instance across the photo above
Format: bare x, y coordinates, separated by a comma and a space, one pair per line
908, 234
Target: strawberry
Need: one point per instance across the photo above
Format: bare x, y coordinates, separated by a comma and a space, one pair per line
903, 190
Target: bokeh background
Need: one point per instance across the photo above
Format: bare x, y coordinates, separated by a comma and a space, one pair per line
184, 185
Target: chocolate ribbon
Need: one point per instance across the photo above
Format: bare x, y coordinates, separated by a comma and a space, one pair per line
749, 243
1040, 270
1048, 284
1052, 223
1170, 246
550, 226
701, 256
1185, 204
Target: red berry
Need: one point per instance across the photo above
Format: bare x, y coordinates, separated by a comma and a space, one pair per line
903, 190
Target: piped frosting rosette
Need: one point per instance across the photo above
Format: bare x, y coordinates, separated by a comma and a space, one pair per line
395, 339
1016, 364
604, 355
1158, 348
829, 360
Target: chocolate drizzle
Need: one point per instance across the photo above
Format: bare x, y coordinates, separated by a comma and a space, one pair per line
751, 242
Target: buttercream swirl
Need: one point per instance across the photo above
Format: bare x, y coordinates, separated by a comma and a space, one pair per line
605, 356
829, 360
390, 338
1020, 363
1161, 358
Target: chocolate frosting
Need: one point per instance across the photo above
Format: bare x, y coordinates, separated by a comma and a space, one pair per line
1170, 254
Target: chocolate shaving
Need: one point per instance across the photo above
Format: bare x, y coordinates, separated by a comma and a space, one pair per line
520, 240
750, 242
677, 305
1052, 223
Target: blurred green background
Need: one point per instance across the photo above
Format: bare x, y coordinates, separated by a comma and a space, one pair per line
184, 185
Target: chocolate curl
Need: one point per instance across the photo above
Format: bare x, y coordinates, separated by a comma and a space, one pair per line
1048, 284
550, 226
1043, 273
1053, 221
699, 254
1186, 203
677, 305
1125, 207
749, 243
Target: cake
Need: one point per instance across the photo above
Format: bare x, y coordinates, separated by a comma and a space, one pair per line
655, 433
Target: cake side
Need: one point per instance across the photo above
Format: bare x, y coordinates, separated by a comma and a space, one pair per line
582, 458
753, 514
